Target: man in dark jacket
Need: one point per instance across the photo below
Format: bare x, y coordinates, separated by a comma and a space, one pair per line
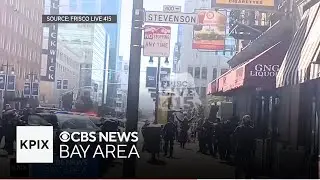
208, 128
245, 140
169, 132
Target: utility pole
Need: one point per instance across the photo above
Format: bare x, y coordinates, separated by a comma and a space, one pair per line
157, 91
129, 165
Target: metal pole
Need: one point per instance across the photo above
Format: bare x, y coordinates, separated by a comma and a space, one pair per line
157, 92
5, 85
133, 83
31, 86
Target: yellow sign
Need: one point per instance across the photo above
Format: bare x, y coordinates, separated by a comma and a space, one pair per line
163, 110
267, 3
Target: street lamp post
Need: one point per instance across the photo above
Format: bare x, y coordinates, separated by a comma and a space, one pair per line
157, 87
7, 66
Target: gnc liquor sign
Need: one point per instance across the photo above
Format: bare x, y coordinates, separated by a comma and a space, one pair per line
265, 70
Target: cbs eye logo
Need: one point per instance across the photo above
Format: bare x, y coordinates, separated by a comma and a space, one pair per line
64, 136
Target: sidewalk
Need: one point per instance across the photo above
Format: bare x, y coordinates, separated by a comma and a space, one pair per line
187, 163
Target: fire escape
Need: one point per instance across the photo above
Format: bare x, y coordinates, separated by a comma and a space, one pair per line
246, 26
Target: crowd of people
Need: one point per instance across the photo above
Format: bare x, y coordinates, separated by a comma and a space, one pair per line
230, 140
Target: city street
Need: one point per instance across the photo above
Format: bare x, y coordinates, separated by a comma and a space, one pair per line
187, 163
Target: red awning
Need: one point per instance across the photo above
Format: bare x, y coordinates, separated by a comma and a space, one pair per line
259, 72
212, 87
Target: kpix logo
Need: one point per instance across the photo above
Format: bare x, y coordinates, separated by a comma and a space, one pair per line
34, 144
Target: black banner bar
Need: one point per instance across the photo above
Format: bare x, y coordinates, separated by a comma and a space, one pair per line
79, 18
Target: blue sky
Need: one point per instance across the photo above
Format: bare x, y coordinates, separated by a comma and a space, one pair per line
149, 5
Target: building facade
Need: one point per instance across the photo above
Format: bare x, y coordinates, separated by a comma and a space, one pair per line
113, 31
204, 66
122, 89
21, 38
113, 7
89, 42
67, 74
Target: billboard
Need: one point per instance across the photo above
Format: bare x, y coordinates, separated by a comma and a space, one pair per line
156, 41
245, 4
210, 33
151, 77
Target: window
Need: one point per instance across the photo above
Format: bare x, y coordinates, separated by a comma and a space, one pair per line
214, 73
224, 70
190, 71
203, 92
197, 90
118, 104
204, 73
197, 72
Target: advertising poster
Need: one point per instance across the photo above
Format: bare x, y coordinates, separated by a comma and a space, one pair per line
157, 41
210, 33
240, 4
151, 77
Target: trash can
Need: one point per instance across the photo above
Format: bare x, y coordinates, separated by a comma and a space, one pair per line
152, 138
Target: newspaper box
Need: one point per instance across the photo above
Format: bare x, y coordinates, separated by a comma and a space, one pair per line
152, 138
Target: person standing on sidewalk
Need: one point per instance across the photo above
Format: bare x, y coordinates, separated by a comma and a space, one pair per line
244, 138
183, 136
169, 132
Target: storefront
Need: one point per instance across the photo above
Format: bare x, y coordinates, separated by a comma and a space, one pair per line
298, 89
252, 86
247, 80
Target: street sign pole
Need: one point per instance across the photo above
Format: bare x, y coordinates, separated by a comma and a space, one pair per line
133, 83
157, 92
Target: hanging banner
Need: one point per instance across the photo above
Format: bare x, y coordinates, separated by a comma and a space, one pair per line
245, 4
165, 77
2, 81
35, 89
59, 84
151, 77
210, 33
11, 83
163, 110
27, 89
50, 68
65, 84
